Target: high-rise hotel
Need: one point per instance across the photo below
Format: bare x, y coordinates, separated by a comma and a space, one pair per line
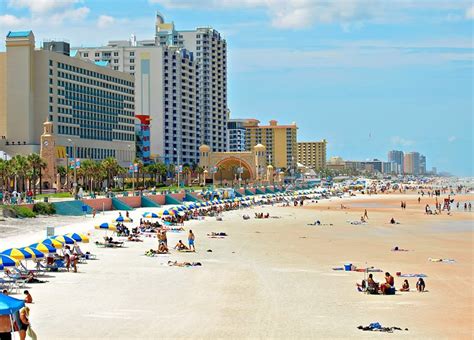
181, 83
91, 107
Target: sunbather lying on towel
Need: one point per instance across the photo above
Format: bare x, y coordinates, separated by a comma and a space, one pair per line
110, 240
134, 239
217, 234
396, 248
183, 264
180, 246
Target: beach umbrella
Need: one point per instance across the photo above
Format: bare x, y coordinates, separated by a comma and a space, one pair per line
167, 212
55, 243
150, 215
44, 248
7, 261
17, 254
106, 226
9, 305
64, 239
122, 219
35, 253
79, 237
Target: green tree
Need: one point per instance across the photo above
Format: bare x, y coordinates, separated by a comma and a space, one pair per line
111, 168
20, 168
36, 165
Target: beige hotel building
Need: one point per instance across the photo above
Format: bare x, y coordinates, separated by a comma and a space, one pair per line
312, 154
91, 106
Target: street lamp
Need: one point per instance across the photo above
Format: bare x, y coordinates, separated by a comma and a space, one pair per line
175, 149
74, 184
131, 170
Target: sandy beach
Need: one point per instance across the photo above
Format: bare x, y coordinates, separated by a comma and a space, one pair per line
270, 278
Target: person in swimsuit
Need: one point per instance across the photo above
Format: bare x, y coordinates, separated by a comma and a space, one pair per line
405, 287
180, 246
24, 322
191, 238
28, 297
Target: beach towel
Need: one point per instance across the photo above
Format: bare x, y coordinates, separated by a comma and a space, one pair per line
338, 268
412, 275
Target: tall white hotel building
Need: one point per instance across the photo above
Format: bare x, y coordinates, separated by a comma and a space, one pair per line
180, 82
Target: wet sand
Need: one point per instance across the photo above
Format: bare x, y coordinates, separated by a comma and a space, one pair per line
269, 278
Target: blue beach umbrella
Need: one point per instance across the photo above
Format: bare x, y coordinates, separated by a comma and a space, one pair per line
44, 248
9, 305
7, 261
35, 253
17, 253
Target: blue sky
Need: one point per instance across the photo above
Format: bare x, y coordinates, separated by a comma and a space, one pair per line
367, 75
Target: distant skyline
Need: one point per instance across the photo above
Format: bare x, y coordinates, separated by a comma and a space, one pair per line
368, 76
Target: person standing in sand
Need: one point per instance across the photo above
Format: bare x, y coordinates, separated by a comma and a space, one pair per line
366, 215
191, 238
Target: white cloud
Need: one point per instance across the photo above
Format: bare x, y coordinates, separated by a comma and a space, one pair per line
470, 13
397, 140
105, 21
297, 14
451, 139
42, 6
11, 22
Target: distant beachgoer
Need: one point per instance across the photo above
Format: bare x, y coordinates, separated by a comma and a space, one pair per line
366, 215
28, 297
419, 199
5, 292
465, 206
420, 285
469, 206
405, 286
392, 221
191, 238
401, 204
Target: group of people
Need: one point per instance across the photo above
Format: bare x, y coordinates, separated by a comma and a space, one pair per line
388, 287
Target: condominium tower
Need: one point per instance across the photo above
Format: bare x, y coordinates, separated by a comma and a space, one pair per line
197, 112
412, 163
91, 107
279, 140
312, 154
397, 157
236, 133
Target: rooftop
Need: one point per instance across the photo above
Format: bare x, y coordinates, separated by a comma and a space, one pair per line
19, 34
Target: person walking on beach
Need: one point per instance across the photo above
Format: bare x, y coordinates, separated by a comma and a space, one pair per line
366, 215
191, 238
469, 206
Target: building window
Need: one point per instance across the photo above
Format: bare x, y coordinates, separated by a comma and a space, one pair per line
97, 54
132, 61
132, 54
86, 55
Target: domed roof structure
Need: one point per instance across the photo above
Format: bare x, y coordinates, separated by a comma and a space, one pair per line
204, 148
259, 147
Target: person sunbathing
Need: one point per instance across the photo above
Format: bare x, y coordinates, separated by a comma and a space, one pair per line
217, 234
134, 239
405, 286
392, 221
183, 264
180, 246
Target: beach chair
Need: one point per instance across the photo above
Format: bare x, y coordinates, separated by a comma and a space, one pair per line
17, 280
36, 272
6, 284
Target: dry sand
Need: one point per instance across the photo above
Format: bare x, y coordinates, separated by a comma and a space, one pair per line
268, 279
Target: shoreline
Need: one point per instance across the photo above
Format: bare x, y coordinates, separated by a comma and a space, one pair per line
268, 278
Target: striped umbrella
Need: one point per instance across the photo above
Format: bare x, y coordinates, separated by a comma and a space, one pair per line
106, 226
55, 243
7, 261
64, 239
150, 215
17, 254
35, 253
79, 237
44, 248
122, 219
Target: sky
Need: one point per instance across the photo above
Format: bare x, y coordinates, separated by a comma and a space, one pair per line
368, 76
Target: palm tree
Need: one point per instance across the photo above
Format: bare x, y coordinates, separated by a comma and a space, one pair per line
187, 174
20, 168
199, 170
221, 169
111, 167
3, 173
36, 164
62, 172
